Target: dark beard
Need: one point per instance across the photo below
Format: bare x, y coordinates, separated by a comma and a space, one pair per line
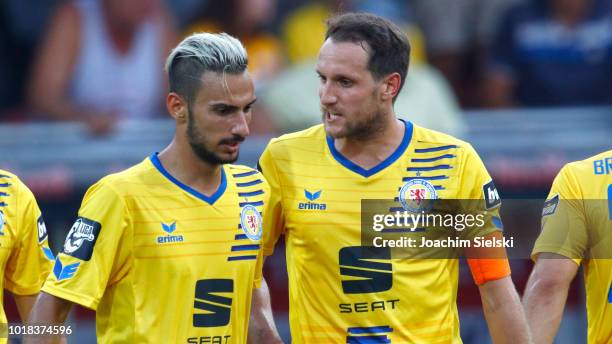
364, 130
199, 148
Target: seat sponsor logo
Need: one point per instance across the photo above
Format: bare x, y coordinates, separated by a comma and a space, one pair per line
365, 274
213, 302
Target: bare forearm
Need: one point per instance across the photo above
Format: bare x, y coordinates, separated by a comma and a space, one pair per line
48, 310
24, 305
504, 314
546, 293
261, 325
544, 310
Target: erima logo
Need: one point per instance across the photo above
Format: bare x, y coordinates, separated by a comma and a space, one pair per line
311, 205
491, 196
64, 272
164, 239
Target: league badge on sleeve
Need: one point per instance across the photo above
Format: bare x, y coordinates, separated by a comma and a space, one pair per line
550, 206
416, 195
251, 222
82, 238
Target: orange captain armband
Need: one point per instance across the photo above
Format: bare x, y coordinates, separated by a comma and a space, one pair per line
488, 264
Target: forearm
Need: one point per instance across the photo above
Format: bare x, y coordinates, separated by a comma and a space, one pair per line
546, 293
261, 325
47, 310
544, 310
24, 305
503, 311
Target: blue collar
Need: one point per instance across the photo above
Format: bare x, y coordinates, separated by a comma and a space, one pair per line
208, 199
408, 128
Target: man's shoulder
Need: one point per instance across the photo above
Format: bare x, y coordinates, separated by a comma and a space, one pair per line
10, 180
588, 163
243, 173
310, 137
7, 175
596, 165
429, 140
11, 184
122, 181
247, 180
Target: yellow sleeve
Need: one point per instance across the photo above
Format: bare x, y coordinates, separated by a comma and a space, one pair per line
260, 255
564, 229
273, 216
30, 259
477, 186
96, 251
479, 195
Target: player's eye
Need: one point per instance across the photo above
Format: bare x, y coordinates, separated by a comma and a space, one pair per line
223, 110
345, 82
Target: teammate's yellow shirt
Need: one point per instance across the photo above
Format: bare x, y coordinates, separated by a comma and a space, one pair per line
161, 262
336, 295
577, 223
25, 256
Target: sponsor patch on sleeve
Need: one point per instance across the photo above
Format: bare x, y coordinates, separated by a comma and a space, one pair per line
550, 206
82, 238
42, 230
491, 196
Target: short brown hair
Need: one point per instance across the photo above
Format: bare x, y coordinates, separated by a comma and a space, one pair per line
389, 49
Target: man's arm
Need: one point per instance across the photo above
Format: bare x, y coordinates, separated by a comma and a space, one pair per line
546, 293
503, 311
24, 305
48, 310
261, 325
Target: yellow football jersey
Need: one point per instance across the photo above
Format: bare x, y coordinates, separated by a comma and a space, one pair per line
337, 293
161, 262
25, 256
577, 223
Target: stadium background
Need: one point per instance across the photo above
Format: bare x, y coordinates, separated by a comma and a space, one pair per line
460, 58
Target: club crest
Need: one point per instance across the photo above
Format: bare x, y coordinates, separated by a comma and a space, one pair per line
416, 194
251, 222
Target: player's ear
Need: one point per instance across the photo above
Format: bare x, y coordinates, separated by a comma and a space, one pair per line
390, 86
177, 107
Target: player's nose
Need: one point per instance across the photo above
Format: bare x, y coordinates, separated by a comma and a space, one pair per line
326, 94
241, 125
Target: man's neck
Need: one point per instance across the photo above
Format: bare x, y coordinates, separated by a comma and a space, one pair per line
183, 164
370, 152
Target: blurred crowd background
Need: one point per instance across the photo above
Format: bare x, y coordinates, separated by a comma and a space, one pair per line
82, 90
